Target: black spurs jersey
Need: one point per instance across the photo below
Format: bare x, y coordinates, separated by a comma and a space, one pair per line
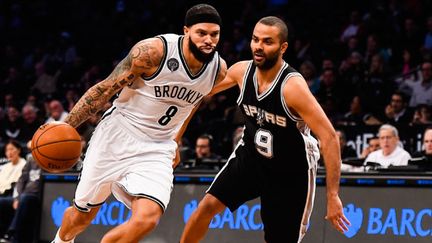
271, 128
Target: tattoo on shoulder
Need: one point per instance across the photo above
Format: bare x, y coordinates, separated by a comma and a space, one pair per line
146, 55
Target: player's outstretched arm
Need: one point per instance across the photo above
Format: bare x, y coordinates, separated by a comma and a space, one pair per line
233, 76
143, 59
219, 78
300, 100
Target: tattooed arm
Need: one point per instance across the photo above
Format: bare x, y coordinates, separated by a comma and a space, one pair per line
143, 59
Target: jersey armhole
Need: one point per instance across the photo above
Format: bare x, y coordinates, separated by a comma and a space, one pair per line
290, 114
162, 63
245, 75
217, 71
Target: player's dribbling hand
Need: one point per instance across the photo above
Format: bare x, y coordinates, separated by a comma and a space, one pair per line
335, 214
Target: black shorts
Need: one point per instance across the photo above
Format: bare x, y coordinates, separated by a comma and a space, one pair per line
247, 175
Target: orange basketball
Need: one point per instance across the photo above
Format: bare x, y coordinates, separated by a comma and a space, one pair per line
56, 146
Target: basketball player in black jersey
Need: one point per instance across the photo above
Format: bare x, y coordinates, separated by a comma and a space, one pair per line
276, 158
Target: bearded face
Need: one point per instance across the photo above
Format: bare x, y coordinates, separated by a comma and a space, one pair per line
200, 55
265, 61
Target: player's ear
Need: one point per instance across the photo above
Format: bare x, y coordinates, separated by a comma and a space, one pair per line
185, 30
284, 47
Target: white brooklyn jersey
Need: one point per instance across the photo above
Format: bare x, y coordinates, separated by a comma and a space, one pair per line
158, 105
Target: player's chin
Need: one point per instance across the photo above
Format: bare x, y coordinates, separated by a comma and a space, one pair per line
207, 56
258, 62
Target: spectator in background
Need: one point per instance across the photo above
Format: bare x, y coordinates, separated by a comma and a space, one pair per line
32, 99
427, 45
8, 101
327, 63
71, 98
422, 115
11, 171
426, 154
346, 151
56, 111
356, 115
302, 50
407, 66
45, 84
373, 47
358, 166
203, 152
308, 70
352, 45
390, 153
329, 86
13, 83
92, 76
397, 112
20, 212
331, 107
376, 87
354, 28
352, 74
410, 35
31, 122
186, 152
37, 54
373, 145
421, 90
11, 126
427, 141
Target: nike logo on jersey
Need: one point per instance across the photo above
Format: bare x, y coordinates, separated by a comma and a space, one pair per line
269, 117
181, 93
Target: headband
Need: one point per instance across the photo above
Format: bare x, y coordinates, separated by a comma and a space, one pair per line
202, 18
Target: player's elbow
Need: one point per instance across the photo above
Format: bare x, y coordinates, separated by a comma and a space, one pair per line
331, 139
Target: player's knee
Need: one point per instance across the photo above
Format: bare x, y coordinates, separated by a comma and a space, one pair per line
210, 206
79, 218
144, 223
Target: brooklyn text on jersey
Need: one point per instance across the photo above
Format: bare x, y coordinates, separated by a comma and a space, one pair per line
181, 93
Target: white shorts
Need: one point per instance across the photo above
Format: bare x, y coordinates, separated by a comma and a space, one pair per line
122, 160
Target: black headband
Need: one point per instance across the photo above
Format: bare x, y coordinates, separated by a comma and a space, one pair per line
202, 18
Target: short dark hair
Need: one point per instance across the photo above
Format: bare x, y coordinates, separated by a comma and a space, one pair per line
279, 23
209, 137
14, 143
371, 138
202, 13
402, 95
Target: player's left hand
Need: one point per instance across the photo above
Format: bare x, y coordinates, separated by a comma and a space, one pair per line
176, 159
335, 214
15, 204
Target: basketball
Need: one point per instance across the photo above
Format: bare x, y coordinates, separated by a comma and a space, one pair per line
56, 146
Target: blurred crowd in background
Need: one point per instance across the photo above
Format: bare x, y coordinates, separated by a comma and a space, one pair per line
367, 62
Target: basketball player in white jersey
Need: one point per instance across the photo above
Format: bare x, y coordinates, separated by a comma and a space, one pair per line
276, 158
131, 153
